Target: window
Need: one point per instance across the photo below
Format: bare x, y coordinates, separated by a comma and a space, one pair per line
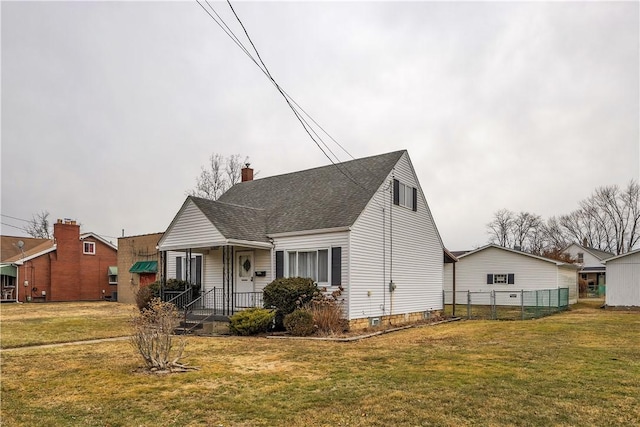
311, 264
580, 257
501, 279
89, 248
405, 195
195, 269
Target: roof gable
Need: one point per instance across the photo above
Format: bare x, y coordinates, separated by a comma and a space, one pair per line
553, 261
9, 246
98, 238
321, 198
617, 257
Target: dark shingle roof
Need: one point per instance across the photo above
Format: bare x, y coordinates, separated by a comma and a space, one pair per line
234, 222
312, 199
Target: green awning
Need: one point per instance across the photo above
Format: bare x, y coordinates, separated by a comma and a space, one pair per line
9, 270
113, 271
144, 267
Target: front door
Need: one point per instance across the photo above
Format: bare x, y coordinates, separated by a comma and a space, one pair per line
244, 271
243, 297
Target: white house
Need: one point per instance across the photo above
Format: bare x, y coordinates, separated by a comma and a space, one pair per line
592, 268
364, 225
623, 280
506, 271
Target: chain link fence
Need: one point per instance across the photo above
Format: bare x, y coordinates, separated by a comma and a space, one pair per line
505, 305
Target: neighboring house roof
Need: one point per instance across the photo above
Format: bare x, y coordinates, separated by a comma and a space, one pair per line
95, 236
43, 248
322, 198
556, 262
621, 256
601, 255
9, 246
458, 254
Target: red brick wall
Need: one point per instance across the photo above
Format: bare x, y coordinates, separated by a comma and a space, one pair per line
94, 276
76, 276
65, 269
38, 273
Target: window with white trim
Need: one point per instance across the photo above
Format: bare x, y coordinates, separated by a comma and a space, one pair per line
405, 195
89, 248
501, 279
313, 264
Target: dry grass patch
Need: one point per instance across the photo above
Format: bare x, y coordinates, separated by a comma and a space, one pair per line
577, 368
35, 323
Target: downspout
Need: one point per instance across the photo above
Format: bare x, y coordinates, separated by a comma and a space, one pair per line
454, 289
384, 261
392, 286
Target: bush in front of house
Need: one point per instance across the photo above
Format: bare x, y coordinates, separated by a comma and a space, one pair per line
287, 294
327, 312
299, 323
251, 321
144, 295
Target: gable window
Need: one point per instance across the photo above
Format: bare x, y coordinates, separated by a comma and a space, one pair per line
501, 279
89, 248
405, 195
580, 257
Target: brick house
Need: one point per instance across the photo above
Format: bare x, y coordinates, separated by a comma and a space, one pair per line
71, 267
138, 260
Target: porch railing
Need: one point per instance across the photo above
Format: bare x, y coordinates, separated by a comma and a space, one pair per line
179, 298
216, 302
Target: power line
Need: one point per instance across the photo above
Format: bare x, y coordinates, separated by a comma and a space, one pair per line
13, 226
13, 217
306, 126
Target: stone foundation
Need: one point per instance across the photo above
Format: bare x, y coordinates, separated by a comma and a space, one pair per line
393, 320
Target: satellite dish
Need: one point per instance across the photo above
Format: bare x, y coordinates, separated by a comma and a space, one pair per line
20, 244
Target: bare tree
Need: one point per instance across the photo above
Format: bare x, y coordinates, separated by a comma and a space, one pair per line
39, 226
500, 228
217, 176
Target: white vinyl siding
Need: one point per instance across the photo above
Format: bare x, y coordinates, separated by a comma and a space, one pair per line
416, 254
623, 281
314, 242
589, 261
191, 229
529, 273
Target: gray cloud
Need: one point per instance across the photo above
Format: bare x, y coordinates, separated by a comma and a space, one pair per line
109, 109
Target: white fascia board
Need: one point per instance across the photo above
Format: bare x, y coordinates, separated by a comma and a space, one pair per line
95, 236
208, 245
558, 263
620, 256
309, 232
36, 255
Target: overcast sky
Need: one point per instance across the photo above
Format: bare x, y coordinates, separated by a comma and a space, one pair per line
109, 109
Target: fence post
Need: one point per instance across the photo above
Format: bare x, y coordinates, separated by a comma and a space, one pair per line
468, 304
492, 300
522, 304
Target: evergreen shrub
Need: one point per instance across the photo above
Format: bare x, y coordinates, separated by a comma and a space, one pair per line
251, 321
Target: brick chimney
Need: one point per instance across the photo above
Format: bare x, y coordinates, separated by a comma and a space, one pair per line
247, 173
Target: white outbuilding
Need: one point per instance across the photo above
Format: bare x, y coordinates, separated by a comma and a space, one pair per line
507, 272
623, 280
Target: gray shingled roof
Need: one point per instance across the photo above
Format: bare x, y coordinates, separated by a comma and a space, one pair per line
312, 199
235, 222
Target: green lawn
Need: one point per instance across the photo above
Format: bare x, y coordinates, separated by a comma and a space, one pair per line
577, 368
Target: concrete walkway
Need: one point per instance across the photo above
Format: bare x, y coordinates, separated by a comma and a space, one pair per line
30, 347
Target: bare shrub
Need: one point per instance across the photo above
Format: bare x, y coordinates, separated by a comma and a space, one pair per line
153, 338
327, 313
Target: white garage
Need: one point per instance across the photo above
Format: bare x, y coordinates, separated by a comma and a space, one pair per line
623, 280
